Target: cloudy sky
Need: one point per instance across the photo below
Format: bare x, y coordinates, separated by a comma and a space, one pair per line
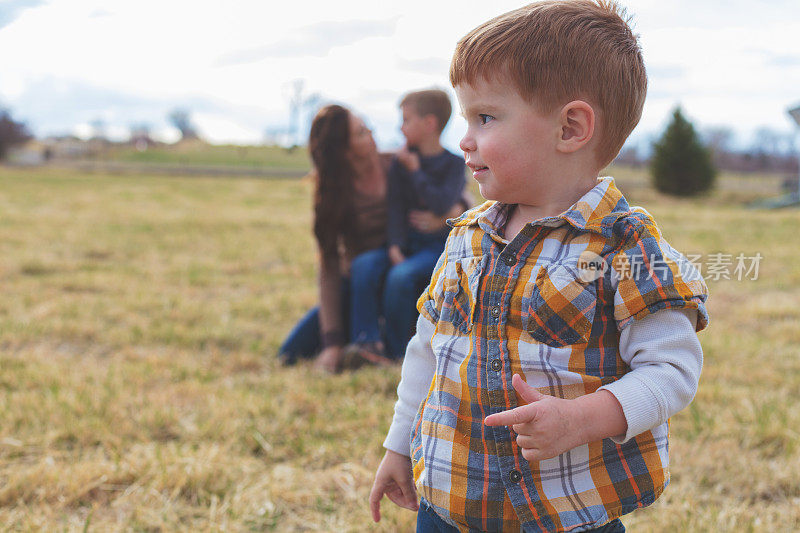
234, 64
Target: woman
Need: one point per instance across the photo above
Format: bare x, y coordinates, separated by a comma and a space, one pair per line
349, 218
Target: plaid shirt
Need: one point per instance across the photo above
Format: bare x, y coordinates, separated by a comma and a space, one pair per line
501, 308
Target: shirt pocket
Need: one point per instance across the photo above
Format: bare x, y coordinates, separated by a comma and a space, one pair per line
462, 277
562, 307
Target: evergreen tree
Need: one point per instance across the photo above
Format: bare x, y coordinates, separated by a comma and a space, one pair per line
681, 165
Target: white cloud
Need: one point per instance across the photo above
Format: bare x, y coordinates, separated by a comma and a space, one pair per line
724, 61
222, 129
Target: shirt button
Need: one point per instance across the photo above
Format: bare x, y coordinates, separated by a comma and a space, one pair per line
495, 311
514, 476
510, 260
496, 365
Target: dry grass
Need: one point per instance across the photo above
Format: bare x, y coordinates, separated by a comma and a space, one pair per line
139, 389
197, 152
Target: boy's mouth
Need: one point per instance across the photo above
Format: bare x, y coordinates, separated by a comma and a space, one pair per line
476, 168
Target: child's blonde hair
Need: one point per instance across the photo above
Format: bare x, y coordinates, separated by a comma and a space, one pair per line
557, 51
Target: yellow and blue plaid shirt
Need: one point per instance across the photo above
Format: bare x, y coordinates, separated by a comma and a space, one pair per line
501, 308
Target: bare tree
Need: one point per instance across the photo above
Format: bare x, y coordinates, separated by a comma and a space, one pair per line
98, 129
11, 133
299, 102
181, 119
718, 138
140, 130
767, 141
140, 135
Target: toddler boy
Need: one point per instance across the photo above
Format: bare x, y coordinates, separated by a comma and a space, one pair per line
558, 333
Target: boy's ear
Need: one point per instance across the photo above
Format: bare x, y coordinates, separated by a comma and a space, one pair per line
577, 121
431, 122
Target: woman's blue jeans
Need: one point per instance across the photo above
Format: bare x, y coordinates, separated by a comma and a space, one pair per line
374, 289
380, 289
305, 339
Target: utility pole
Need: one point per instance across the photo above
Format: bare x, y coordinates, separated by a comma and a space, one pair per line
295, 102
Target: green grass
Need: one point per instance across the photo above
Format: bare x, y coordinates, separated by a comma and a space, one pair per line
139, 389
199, 153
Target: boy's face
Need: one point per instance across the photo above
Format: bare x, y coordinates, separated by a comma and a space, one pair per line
509, 144
414, 127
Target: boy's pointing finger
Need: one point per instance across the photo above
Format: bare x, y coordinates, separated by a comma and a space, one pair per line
518, 415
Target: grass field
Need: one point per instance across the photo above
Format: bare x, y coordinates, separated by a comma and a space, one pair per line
200, 153
139, 389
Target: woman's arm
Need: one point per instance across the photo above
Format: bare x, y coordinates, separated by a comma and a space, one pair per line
330, 313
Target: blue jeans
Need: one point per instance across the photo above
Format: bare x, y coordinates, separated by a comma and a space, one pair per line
429, 522
404, 283
367, 272
305, 339
380, 289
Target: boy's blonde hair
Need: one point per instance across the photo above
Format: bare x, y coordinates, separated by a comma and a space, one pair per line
557, 51
430, 102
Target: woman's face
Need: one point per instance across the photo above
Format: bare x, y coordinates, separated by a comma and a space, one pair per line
361, 142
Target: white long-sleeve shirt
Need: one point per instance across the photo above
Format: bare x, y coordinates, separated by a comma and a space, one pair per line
662, 350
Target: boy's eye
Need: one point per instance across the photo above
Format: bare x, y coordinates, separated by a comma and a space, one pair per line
485, 118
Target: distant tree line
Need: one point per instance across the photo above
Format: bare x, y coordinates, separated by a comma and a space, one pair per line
768, 151
683, 162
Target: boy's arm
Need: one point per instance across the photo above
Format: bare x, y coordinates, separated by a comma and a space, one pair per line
442, 191
419, 366
394, 477
665, 359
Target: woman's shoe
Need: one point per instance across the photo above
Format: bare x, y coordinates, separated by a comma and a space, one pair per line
287, 359
368, 354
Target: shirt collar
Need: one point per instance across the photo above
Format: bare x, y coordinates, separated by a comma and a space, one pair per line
597, 209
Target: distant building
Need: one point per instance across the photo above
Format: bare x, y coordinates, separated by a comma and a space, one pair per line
32, 152
66, 147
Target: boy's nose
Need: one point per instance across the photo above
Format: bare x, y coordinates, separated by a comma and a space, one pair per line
467, 143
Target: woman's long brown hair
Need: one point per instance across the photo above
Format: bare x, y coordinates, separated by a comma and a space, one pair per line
328, 143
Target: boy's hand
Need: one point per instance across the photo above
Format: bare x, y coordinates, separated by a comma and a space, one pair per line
396, 255
546, 427
425, 221
408, 159
394, 479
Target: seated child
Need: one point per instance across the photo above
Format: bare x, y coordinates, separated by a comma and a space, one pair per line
558, 333
422, 177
